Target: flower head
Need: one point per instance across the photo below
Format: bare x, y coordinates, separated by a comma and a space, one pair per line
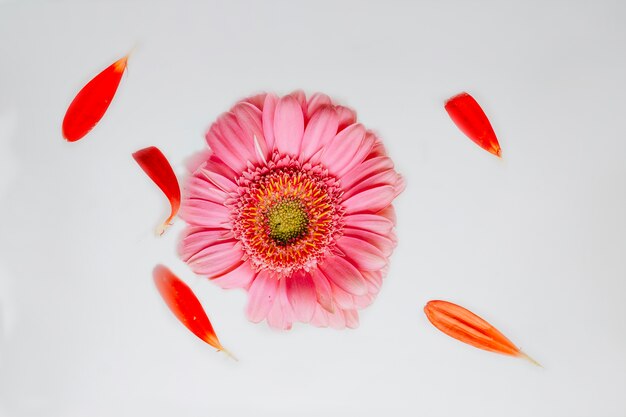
292, 202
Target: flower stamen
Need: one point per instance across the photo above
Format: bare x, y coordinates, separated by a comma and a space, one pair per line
287, 216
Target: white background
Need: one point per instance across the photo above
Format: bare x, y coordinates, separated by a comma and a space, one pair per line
535, 243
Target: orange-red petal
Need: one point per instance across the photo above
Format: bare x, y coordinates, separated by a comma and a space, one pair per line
465, 326
92, 101
185, 305
154, 163
470, 118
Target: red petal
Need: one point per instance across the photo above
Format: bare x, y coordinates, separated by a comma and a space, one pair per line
468, 116
154, 163
185, 306
92, 101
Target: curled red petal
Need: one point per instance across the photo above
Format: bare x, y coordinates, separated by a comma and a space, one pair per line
185, 306
154, 163
468, 116
92, 101
465, 326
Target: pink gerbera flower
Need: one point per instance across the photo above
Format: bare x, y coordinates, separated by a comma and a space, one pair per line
292, 202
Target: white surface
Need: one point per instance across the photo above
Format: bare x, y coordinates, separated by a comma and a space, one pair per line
535, 243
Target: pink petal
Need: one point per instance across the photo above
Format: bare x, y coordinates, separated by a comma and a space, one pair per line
238, 138
288, 126
339, 155
389, 213
239, 277
363, 301
337, 320
320, 317
276, 317
199, 187
301, 99
372, 222
317, 101
320, 130
301, 294
393, 237
385, 244
251, 121
352, 318
342, 299
231, 151
216, 259
269, 108
199, 238
374, 280
219, 180
399, 185
280, 316
378, 149
389, 177
365, 170
323, 290
218, 166
257, 100
364, 255
344, 274
205, 213
359, 156
347, 117
371, 200
197, 160
261, 296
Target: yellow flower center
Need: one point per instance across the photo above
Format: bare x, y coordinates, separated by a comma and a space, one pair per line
287, 222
